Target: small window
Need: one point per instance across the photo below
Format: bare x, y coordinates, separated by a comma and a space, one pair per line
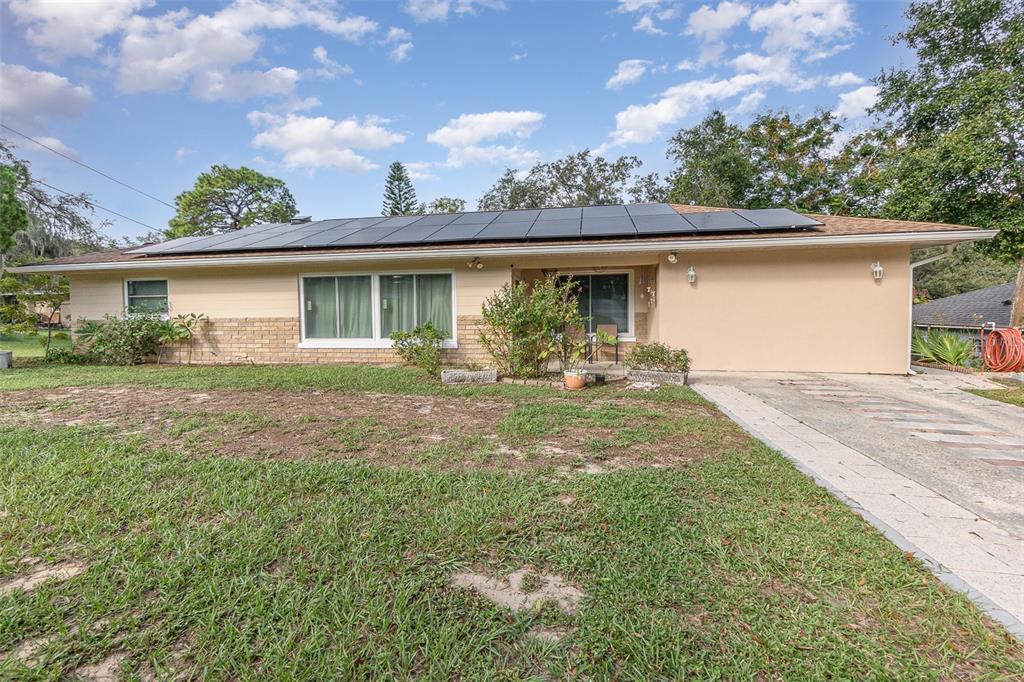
147, 296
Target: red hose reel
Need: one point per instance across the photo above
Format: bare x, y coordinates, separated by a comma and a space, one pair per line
1002, 350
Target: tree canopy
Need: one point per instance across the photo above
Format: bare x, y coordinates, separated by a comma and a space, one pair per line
225, 199
399, 194
958, 113
58, 224
444, 205
579, 179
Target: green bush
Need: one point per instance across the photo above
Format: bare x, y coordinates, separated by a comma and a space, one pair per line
65, 356
524, 325
944, 348
420, 347
657, 357
127, 340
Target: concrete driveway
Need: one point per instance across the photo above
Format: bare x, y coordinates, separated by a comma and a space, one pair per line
940, 471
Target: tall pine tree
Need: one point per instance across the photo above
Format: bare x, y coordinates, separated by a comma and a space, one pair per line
399, 194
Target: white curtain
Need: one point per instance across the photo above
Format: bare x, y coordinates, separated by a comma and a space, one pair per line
397, 311
321, 308
354, 298
434, 304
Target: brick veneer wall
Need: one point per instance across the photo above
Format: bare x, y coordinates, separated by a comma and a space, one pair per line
275, 340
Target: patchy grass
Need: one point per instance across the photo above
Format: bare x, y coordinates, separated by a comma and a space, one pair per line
193, 559
1012, 394
28, 345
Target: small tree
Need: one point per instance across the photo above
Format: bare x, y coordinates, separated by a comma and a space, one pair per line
35, 299
524, 326
399, 194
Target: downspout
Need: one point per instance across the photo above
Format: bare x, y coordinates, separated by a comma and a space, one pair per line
910, 320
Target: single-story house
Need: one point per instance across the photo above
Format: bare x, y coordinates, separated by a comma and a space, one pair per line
969, 311
740, 289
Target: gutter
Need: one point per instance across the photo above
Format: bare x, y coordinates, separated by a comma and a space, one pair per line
948, 251
946, 237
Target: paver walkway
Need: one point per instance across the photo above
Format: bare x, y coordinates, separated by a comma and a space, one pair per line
967, 551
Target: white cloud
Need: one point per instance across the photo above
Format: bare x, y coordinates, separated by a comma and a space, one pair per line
329, 68
166, 52
401, 44
515, 156
712, 24
438, 10
645, 24
798, 24
749, 102
463, 137
817, 55
59, 29
469, 129
28, 98
420, 170
182, 153
842, 79
239, 85
322, 142
628, 71
686, 65
855, 103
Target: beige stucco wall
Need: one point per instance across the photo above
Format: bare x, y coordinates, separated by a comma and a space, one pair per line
814, 310
238, 292
794, 309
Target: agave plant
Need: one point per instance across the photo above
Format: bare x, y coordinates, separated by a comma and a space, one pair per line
945, 348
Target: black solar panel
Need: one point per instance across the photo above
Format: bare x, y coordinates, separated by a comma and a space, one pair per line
658, 224
616, 221
554, 228
718, 221
776, 218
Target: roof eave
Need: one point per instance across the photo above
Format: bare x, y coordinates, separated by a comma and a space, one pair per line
583, 248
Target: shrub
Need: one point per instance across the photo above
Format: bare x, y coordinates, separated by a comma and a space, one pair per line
65, 356
420, 347
524, 325
945, 348
658, 357
127, 340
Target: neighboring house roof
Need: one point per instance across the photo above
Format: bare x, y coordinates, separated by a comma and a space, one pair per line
812, 229
970, 310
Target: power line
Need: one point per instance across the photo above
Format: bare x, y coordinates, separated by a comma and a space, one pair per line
85, 165
102, 208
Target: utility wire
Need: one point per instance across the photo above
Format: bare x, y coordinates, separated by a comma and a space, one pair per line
102, 208
85, 165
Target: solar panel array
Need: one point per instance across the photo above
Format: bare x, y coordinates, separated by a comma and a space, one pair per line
591, 222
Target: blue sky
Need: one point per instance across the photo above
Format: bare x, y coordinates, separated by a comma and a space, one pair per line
325, 95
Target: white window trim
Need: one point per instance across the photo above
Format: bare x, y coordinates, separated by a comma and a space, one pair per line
376, 341
125, 298
630, 334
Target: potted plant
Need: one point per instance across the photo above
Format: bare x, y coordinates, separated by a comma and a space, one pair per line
572, 354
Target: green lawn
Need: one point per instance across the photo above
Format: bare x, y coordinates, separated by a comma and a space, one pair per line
324, 546
1013, 393
29, 346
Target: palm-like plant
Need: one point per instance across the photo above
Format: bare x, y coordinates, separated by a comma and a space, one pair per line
943, 348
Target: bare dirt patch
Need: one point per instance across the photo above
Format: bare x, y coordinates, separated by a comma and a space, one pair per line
27, 652
393, 430
42, 574
516, 592
107, 670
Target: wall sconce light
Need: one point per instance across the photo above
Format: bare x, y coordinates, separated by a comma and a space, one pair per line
475, 263
877, 271
673, 258
691, 275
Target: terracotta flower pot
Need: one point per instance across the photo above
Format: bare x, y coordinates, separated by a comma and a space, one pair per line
575, 379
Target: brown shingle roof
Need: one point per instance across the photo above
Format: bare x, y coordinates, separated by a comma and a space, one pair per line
832, 226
